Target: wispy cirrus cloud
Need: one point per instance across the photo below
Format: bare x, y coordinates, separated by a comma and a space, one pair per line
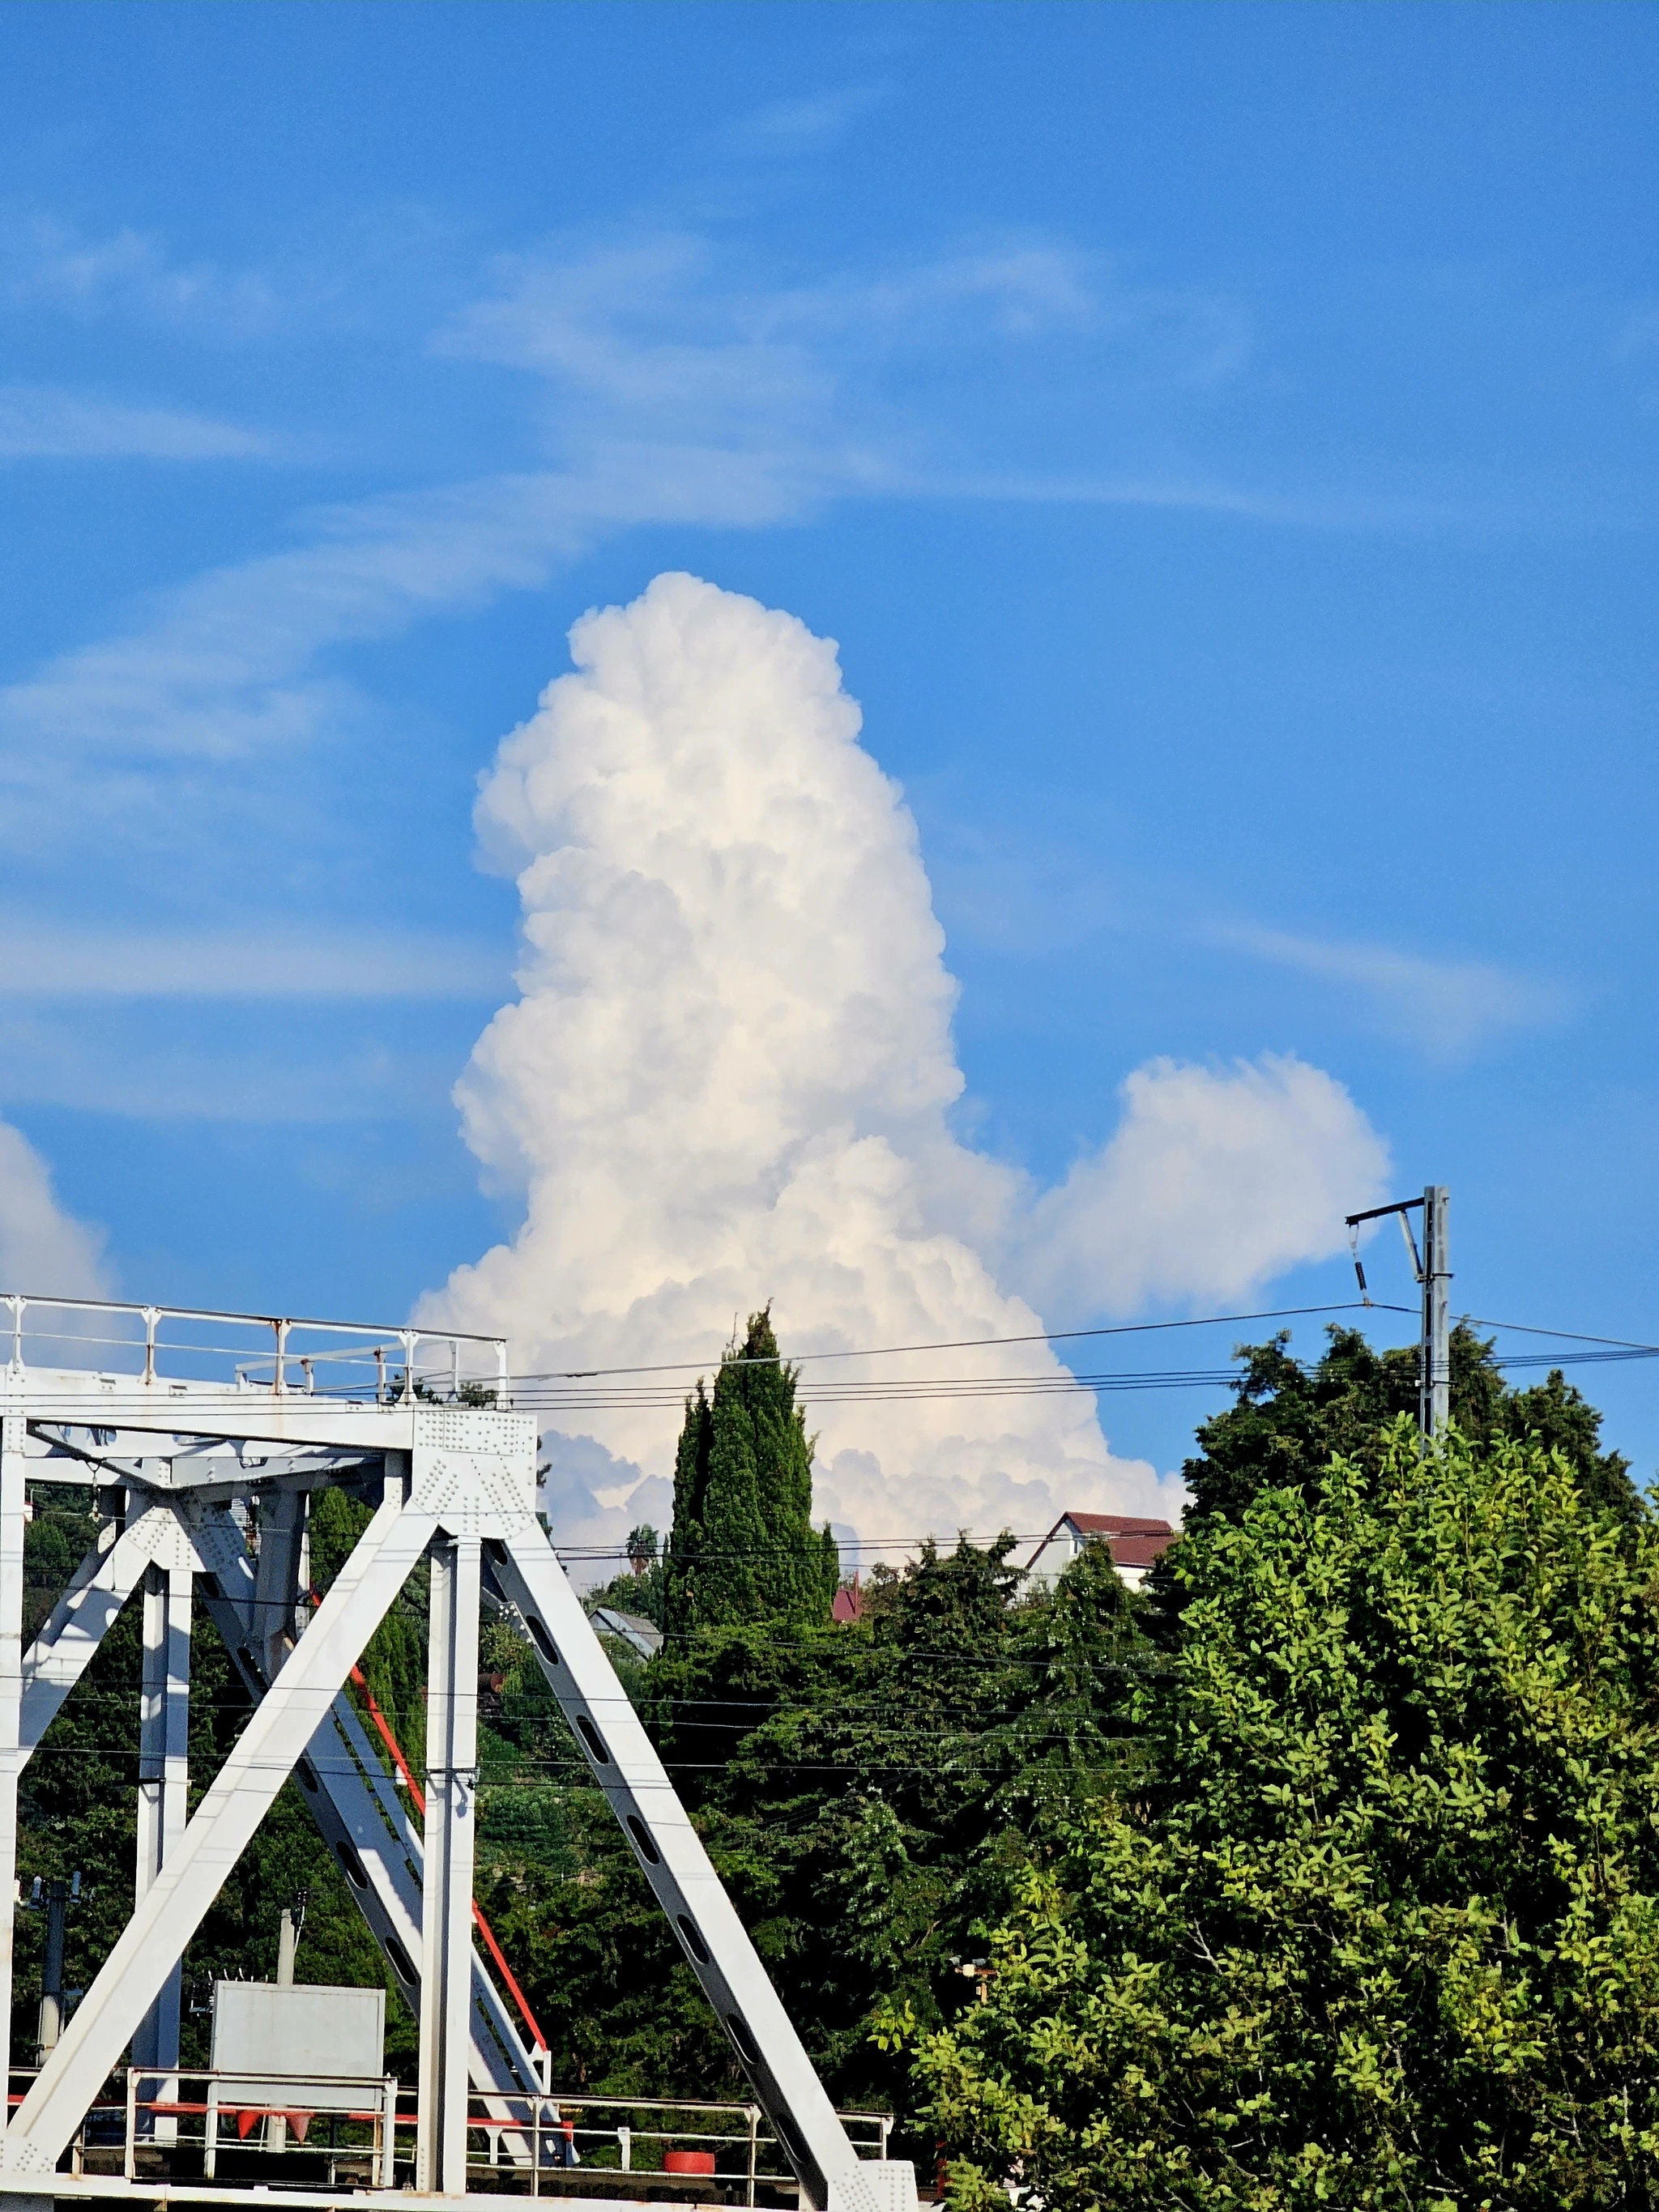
1447, 1007
680, 393
36, 962
308, 1072
47, 263
808, 124
668, 328
43, 422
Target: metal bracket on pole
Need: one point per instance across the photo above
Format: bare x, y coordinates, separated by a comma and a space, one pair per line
1432, 1270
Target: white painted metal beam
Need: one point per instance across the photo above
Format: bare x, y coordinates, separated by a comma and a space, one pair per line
452, 1783
358, 1813
624, 1763
163, 1778
59, 1656
260, 1762
12, 1493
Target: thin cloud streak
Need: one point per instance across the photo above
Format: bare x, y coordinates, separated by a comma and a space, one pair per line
145, 1076
122, 963
41, 423
1448, 1008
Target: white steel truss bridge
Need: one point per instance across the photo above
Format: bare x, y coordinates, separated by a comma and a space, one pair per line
205, 1436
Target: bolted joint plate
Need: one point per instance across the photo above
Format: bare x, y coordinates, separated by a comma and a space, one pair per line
880, 2184
171, 1536
474, 1469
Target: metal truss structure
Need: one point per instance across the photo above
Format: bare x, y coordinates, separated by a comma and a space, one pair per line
206, 1437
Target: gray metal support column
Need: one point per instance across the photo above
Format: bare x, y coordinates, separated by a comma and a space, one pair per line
1434, 1409
451, 1762
281, 1575
163, 1778
11, 1708
56, 1901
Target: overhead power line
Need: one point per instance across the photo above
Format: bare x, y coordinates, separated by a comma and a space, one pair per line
965, 1343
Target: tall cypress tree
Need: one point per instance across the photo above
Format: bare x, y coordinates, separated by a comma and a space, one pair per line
744, 1548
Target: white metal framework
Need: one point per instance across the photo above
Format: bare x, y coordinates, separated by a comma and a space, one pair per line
206, 1436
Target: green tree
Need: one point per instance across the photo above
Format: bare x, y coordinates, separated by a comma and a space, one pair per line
1288, 1421
744, 1548
638, 1588
865, 1791
1384, 1931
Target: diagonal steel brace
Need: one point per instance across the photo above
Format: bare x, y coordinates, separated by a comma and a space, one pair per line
261, 1760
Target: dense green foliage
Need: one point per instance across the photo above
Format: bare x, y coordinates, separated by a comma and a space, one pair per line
863, 1790
1288, 1422
1328, 1876
1385, 1930
743, 1549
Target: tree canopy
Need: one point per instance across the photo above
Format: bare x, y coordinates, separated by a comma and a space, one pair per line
1384, 1929
744, 1548
1287, 1421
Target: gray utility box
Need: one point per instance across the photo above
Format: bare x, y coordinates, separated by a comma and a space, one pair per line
318, 2046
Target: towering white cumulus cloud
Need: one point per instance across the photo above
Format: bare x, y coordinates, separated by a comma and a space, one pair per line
728, 1078
42, 1249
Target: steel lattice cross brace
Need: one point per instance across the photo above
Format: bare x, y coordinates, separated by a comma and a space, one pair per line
187, 1469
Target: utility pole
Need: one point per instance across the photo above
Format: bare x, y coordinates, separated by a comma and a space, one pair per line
1432, 1268
1434, 1368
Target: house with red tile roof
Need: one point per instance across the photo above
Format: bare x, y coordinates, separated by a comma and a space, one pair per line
1133, 1544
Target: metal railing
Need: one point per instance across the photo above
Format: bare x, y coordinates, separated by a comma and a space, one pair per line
182, 2121
185, 2122
679, 2144
188, 1349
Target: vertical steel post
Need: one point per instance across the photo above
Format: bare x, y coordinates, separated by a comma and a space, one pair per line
1434, 1366
163, 1783
451, 1757
11, 1710
51, 1970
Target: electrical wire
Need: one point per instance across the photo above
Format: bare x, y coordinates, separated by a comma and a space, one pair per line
969, 1343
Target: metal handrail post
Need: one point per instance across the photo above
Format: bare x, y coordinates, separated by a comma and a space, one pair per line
129, 2161
389, 2132
754, 2149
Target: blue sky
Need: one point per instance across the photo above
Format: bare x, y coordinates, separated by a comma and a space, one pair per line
1220, 439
